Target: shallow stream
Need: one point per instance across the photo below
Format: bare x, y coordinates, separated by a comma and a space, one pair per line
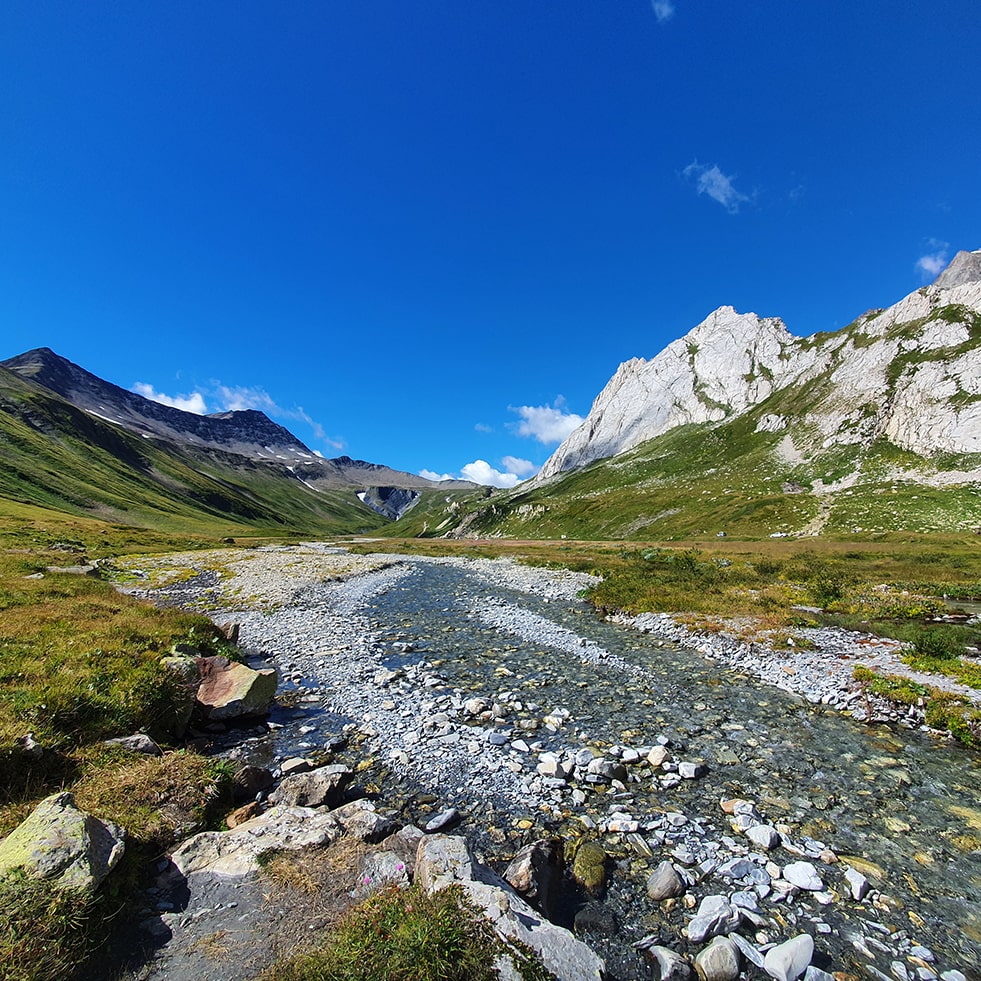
899, 805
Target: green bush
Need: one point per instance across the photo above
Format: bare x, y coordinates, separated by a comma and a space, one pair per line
936, 642
406, 935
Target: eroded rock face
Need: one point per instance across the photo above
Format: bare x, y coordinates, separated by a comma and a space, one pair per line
229, 690
61, 843
322, 787
911, 373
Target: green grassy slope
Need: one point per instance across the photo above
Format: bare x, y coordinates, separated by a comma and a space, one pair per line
696, 481
56, 456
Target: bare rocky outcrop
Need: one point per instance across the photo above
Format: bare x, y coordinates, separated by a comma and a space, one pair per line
910, 373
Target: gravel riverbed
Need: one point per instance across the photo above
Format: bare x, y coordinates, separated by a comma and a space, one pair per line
489, 687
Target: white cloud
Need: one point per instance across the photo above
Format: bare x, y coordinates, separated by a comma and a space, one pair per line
481, 472
518, 466
188, 403
663, 10
546, 423
237, 398
719, 187
483, 428
933, 263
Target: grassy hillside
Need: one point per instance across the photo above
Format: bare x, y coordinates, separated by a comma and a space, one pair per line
699, 480
57, 457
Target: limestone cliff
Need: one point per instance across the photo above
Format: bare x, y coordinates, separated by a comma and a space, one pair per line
911, 373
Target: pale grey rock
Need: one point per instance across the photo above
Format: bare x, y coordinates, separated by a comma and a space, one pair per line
816, 974
322, 787
295, 764
139, 742
63, 844
445, 860
383, 868
361, 820
748, 951
731, 362
858, 885
445, 819
236, 853
763, 836
719, 961
964, 268
672, 965
715, 917
789, 960
665, 883
657, 756
803, 875
688, 770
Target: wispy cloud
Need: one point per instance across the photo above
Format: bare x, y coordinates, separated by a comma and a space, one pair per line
546, 423
934, 262
481, 427
187, 403
237, 398
663, 10
718, 186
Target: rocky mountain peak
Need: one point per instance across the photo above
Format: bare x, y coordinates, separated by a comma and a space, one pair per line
964, 268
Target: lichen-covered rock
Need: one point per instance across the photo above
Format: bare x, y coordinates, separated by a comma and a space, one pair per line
589, 867
229, 690
61, 843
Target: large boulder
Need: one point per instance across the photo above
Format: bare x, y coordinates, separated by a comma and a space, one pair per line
322, 787
445, 860
63, 844
237, 852
229, 690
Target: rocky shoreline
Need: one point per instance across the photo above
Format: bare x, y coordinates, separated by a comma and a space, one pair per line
723, 887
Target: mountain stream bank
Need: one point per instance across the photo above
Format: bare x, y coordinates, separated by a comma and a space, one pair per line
494, 689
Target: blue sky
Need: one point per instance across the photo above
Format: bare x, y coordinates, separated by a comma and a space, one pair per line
426, 233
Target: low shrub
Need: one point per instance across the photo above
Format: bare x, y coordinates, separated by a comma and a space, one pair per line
406, 935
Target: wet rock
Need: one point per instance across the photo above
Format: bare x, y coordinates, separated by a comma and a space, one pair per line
595, 918
589, 867
445, 819
535, 872
672, 965
803, 875
747, 950
665, 883
322, 787
715, 917
788, 961
63, 844
229, 690
657, 756
249, 781
691, 771
719, 961
858, 885
295, 764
